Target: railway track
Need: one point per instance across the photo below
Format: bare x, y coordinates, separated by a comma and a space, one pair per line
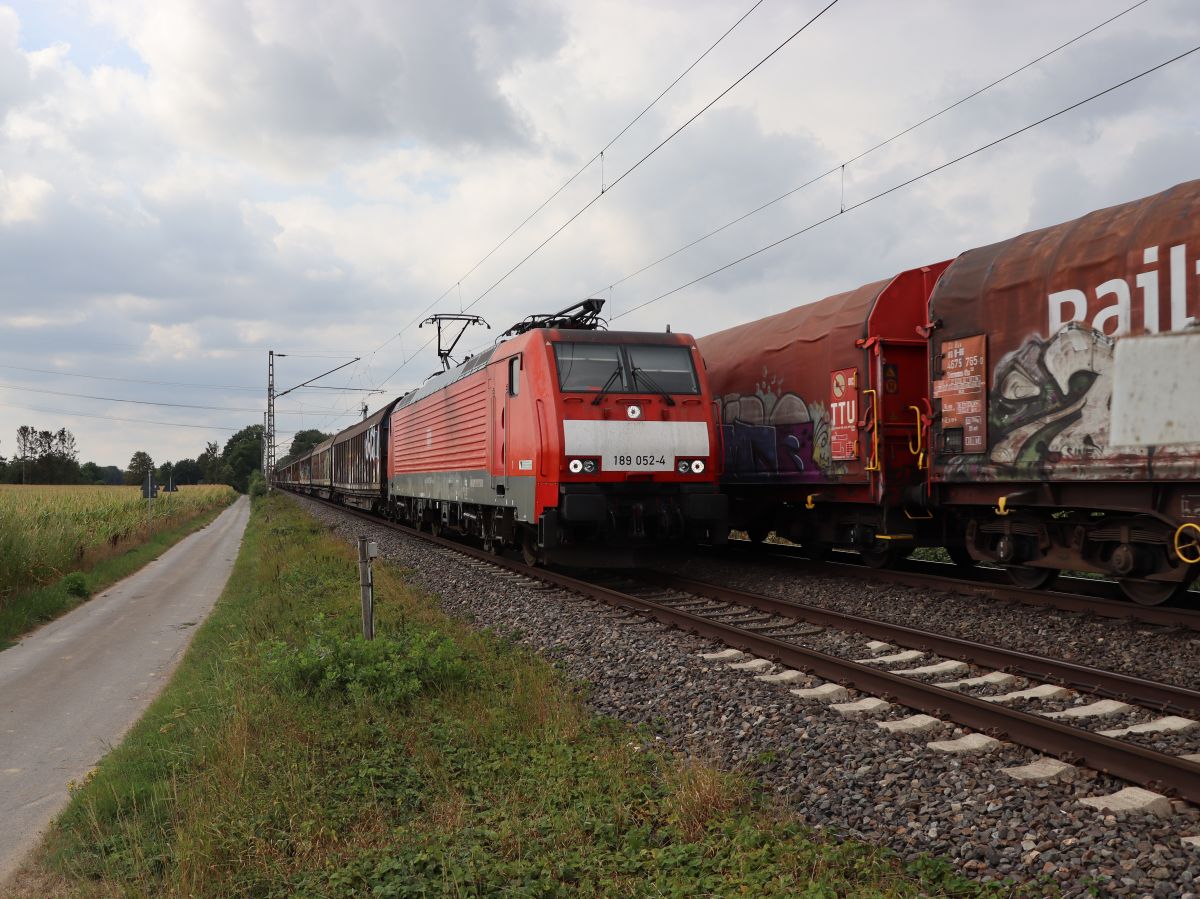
1072, 594
1173, 775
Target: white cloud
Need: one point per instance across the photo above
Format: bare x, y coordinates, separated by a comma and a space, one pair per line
310, 176
22, 197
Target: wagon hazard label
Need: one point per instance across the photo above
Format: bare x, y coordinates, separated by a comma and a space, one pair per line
962, 389
843, 414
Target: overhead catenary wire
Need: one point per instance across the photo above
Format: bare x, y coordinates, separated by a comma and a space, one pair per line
608, 188
71, 374
878, 146
140, 421
117, 399
583, 168
909, 181
184, 384
707, 106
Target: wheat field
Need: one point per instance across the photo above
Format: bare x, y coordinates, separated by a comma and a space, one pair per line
46, 531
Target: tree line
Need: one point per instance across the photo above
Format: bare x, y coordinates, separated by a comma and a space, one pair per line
52, 457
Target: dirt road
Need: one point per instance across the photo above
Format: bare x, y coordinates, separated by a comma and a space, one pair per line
71, 690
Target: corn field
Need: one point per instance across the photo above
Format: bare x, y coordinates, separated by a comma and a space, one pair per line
46, 531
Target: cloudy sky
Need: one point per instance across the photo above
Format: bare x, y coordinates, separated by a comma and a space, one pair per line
185, 184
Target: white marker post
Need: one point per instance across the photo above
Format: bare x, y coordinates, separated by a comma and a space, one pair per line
367, 551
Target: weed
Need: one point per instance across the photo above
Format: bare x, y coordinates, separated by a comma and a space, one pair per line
290, 758
388, 670
46, 531
75, 584
27, 609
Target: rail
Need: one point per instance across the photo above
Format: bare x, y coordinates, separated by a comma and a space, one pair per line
1170, 774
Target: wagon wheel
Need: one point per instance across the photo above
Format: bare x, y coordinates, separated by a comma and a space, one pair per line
1152, 593
883, 556
529, 550
757, 533
1030, 578
817, 550
961, 557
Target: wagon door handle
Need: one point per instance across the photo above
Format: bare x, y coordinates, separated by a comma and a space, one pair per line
919, 449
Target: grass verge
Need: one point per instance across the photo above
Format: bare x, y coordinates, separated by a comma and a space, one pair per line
289, 758
23, 612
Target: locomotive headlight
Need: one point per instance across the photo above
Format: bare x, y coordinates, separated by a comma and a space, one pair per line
683, 466
634, 412
575, 466
589, 466
698, 466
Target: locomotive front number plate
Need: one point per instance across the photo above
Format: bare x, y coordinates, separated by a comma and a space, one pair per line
636, 445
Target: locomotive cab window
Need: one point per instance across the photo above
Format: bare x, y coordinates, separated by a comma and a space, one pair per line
666, 368
589, 367
514, 376
632, 368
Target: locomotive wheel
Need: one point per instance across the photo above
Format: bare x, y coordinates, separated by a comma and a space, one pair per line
1030, 578
1152, 593
961, 557
529, 550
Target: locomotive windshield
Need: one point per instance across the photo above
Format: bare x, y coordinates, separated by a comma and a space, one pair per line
589, 366
631, 368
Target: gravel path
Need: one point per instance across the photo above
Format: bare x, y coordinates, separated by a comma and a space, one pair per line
833, 772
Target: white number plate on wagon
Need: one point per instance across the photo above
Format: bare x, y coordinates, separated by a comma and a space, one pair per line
635, 445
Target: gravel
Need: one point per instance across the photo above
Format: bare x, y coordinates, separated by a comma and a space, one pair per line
1151, 651
846, 775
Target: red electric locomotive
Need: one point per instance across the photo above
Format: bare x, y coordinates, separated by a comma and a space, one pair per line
560, 439
574, 444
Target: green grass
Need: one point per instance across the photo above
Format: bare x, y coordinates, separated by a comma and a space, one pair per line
23, 612
287, 758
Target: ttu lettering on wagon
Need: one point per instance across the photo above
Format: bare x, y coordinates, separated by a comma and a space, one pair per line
635, 445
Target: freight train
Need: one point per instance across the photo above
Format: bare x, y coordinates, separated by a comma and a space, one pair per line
966, 405
574, 444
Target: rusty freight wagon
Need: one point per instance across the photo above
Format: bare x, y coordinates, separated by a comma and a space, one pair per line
359, 460
822, 415
1022, 361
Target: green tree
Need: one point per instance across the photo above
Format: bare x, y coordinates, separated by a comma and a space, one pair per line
112, 475
241, 456
45, 457
209, 462
163, 473
140, 465
187, 471
302, 442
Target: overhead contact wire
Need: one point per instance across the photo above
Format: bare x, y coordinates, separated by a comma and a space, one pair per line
909, 181
883, 143
658, 147
599, 155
